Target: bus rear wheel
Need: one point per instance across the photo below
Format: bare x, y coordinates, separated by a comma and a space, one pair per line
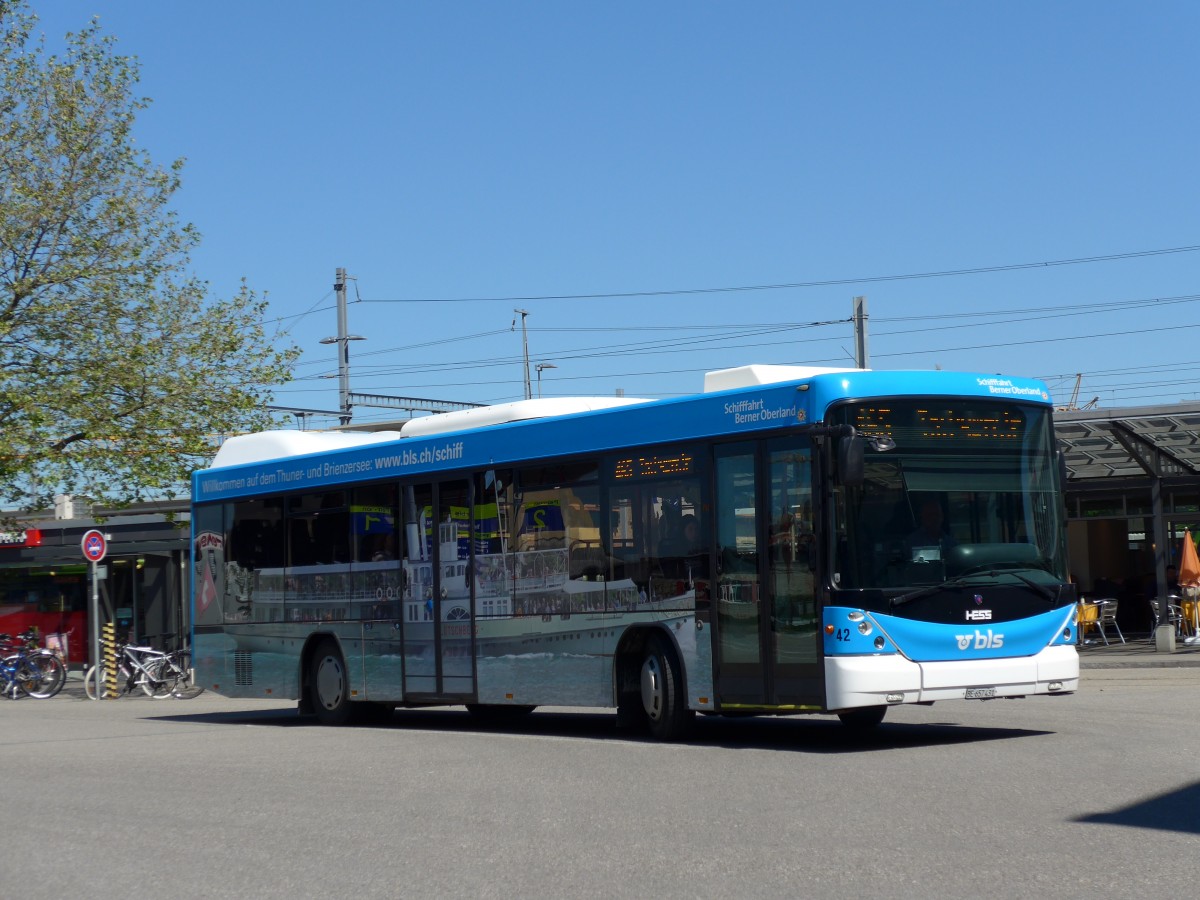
662, 692
329, 685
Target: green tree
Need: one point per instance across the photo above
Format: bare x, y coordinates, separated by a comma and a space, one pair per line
117, 369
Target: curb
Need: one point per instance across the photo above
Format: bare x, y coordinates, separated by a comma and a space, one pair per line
1167, 663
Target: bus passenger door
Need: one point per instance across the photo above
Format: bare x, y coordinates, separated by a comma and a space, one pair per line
766, 622
438, 622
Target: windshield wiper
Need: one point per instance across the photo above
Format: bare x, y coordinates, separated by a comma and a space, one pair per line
927, 590
1052, 596
967, 578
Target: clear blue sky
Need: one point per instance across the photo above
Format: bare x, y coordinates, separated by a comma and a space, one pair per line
498, 150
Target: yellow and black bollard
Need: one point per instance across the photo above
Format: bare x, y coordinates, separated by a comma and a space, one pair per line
108, 637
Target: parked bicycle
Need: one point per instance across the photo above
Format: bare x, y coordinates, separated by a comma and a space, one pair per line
174, 671
28, 668
158, 673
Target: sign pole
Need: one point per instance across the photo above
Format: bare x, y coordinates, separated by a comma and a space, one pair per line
94, 615
95, 547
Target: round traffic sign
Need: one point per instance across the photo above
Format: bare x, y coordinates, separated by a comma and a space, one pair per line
95, 546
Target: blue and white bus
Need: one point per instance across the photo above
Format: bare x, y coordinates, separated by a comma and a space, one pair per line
791, 540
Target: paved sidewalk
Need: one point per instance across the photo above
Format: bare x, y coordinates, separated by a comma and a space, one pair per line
1138, 652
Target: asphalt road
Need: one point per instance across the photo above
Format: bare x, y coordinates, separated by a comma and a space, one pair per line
1094, 795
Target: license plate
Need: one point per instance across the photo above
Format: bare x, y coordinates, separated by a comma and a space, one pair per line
980, 693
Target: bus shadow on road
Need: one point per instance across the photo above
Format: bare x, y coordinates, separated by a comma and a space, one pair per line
823, 734
799, 734
1173, 811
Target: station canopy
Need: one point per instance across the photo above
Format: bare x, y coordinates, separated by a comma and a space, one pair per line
1133, 442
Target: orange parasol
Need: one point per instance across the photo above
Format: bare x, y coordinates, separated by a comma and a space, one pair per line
1189, 563
1189, 581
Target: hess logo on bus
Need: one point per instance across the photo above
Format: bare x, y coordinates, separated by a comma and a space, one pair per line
982, 640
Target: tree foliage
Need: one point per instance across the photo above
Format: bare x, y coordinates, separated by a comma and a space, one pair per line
116, 367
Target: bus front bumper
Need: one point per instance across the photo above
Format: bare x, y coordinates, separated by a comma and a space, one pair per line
892, 680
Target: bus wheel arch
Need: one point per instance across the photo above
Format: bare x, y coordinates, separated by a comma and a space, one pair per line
325, 690
650, 684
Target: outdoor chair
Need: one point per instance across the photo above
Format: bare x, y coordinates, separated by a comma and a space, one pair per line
1089, 620
1108, 617
1174, 612
1191, 615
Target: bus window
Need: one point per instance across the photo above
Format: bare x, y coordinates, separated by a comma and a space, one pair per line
557, 540
659, 538
373, 517
493, 571
256, 537
319, 528
208, 561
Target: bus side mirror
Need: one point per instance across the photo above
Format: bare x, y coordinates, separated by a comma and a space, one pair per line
851, 452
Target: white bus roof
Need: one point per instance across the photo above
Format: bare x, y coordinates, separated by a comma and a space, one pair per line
279, 444
749, 376
517, 411
249, 448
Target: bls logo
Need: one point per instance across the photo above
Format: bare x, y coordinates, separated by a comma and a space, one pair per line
981, 640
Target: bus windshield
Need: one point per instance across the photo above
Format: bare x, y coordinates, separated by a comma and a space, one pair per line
968, 489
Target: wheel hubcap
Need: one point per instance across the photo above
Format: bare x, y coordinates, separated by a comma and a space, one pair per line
652, 687
330, 683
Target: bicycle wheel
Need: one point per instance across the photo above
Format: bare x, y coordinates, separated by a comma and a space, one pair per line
160, 679
89, 683
46, 675
185, 688
14, 684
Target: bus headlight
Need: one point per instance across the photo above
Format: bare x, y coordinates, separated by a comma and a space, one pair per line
864, 627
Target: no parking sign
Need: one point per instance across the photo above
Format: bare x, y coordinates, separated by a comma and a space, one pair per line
94, 545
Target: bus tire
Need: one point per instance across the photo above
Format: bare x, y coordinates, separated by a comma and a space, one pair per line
330, 685
864, 718
667, 714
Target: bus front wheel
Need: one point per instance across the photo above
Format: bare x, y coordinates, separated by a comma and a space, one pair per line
662, 692
862, 719
329, 685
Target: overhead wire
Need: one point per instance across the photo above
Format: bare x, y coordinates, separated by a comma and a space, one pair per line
697, 344
870, 279
736, 330
726, 333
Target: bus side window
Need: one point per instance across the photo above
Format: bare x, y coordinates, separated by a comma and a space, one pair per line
257, 536
301, 550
